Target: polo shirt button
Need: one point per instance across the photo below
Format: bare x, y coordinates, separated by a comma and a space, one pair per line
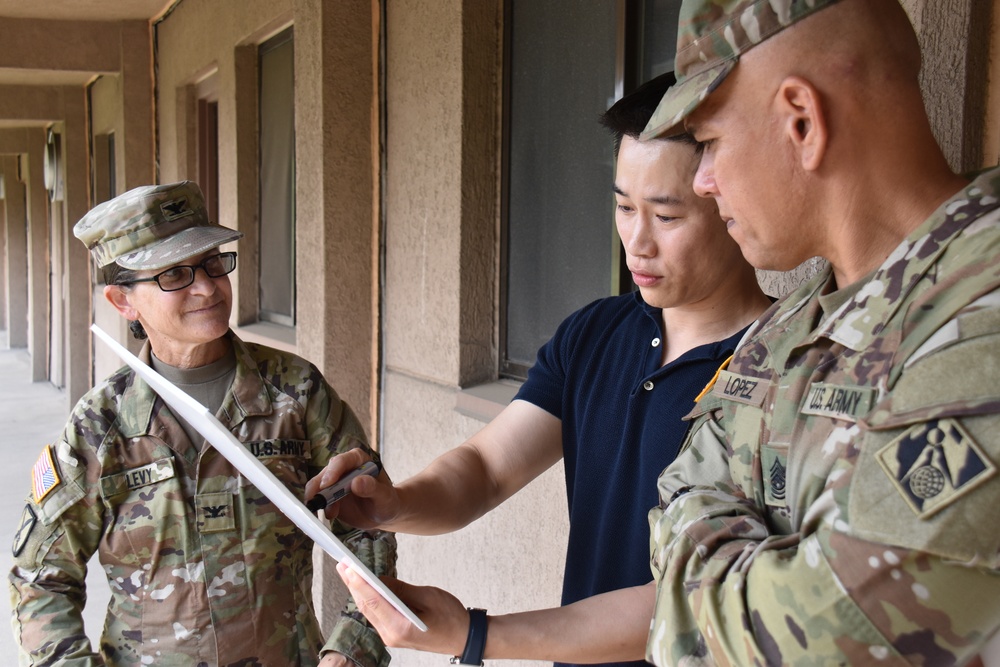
656, 342
648, 385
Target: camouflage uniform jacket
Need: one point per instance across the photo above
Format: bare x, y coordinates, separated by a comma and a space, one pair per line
203, 568
836, 500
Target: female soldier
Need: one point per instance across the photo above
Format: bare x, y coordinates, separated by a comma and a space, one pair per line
203, 568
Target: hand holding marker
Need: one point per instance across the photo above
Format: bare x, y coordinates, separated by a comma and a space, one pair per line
331, 494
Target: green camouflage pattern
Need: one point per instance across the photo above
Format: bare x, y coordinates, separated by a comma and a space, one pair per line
152, 227
203, 568
711, 35
835, 502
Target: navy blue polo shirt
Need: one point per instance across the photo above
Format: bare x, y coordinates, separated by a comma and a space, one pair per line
621, 416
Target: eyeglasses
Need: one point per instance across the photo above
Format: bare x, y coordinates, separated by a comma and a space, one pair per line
178, 277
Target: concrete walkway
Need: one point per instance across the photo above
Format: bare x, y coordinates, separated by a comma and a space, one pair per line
32, 415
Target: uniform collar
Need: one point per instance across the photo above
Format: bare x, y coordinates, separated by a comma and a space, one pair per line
872, 302
247, 396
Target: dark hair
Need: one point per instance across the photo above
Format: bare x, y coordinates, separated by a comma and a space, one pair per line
628, 116
115, 275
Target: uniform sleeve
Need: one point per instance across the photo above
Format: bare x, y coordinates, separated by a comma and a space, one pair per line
894, 563
334, 429
56, 537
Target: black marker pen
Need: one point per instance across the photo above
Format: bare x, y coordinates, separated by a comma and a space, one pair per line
334, 492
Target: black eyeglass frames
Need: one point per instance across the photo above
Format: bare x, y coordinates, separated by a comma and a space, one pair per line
180, 276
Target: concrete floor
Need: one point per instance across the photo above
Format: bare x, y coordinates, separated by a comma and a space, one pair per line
31, 416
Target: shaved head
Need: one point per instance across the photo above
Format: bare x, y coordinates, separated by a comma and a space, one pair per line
820, 122
854, 48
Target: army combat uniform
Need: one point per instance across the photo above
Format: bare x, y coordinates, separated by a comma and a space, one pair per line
203, 568
836, 501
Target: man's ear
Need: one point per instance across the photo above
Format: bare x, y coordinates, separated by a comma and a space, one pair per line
118, 298
805, 120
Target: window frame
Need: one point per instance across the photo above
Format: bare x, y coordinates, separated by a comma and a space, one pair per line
628, 59
278, 40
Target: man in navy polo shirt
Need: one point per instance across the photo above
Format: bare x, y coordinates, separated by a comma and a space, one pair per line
606, 394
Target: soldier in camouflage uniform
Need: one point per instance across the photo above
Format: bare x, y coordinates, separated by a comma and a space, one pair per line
203, 568
835, 501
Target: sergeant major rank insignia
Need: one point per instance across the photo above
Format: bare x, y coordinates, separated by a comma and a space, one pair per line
934, 463
774, 460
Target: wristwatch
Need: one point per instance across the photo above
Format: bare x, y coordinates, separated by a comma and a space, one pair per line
475, 644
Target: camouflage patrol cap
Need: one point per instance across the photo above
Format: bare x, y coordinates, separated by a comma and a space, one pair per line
151, 227
711, 35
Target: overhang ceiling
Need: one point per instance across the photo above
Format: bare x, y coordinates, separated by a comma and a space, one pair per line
69, 10
84, 10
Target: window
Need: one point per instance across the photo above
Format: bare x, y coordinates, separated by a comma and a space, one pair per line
277, 179
566, 62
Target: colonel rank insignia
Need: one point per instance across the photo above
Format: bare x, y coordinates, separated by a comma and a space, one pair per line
934, 463
44, 476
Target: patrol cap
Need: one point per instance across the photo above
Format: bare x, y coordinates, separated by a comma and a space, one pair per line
151, 227
711, 35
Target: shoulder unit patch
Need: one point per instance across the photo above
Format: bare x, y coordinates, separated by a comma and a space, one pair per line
28, 519
934, 463
44, 476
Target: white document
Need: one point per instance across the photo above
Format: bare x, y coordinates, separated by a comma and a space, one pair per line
209, 426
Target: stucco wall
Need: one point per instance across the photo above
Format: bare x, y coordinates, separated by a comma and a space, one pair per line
334, 98
201, 39
440, 300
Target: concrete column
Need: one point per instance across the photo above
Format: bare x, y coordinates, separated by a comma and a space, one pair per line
336, 223
3, 267
479, 240
336, 227
76, 159
137, 104
16, 250
38, 242
955, 41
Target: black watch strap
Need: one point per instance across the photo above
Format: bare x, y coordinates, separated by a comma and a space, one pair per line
475, 644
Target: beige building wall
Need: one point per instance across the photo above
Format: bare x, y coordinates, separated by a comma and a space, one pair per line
443, 99
213, 43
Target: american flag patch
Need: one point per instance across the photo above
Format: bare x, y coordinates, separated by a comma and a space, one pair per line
44, 476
